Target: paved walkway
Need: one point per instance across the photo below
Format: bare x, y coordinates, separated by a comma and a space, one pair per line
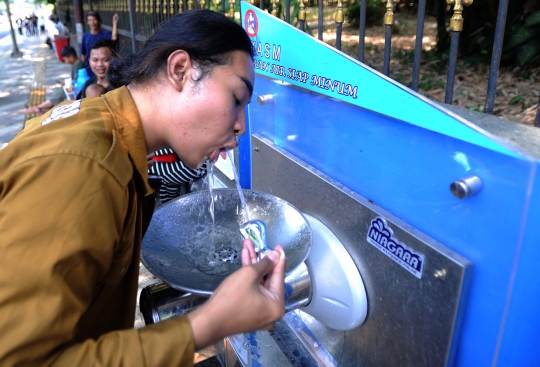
30, 78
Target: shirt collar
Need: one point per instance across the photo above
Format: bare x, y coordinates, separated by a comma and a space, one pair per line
128, 123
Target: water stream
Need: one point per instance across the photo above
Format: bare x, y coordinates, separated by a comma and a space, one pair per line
238, 187
211, 184
223, 256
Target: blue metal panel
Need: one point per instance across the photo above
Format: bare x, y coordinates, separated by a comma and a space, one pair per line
402, 152
521, 331
407, 170
244, 156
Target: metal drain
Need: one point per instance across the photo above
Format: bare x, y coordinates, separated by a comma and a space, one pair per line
225, 254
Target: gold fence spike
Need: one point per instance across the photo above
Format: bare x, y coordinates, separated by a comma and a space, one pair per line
339, 12
302, 11
231, 8
274, 8
456, 22
190, 4
389, 15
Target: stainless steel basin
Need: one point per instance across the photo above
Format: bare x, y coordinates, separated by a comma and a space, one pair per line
190, 251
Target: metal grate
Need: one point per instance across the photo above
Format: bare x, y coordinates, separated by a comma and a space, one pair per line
225, 254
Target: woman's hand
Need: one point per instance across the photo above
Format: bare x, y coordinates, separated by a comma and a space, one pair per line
115, 19
245, 301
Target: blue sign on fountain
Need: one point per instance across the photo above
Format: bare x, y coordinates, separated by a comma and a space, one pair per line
401, 151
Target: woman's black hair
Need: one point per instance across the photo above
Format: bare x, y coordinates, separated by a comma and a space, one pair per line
208, 37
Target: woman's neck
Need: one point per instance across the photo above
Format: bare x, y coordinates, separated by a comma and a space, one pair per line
150, 117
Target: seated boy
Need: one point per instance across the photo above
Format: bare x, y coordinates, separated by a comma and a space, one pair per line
69, 55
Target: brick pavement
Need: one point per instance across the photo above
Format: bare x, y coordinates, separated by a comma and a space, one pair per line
26, 80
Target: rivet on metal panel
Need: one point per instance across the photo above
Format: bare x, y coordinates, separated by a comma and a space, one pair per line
440, 274
257, 149
466, 187
265, 99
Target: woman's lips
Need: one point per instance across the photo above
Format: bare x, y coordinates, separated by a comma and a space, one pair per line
220, 152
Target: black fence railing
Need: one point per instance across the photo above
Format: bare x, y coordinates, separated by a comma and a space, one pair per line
139, 19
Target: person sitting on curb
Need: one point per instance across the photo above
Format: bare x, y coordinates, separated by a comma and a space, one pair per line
93, 20
70, 57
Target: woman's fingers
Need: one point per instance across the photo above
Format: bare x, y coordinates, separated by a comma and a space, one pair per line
274, 283
249, 256
261, 305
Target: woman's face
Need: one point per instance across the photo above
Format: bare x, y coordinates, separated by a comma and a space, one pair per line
100, 59
213, 112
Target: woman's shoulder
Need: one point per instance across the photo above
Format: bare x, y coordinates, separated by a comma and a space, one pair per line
67, 130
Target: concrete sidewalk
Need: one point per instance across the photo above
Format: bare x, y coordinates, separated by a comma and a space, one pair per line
33, 76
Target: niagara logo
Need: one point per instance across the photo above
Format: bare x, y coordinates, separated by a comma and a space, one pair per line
382, 237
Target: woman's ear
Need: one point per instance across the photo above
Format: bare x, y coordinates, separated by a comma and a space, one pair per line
178, 67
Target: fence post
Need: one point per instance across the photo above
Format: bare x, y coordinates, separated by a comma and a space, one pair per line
362, 31
496, 56
339, 23
320, 24
418, 46
456, 26
302, 16
388, 24
133, 24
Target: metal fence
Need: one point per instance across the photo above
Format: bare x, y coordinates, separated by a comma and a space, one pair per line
139, 19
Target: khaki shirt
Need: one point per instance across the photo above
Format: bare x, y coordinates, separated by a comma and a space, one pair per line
71, 187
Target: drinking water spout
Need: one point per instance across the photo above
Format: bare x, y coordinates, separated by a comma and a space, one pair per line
255, 230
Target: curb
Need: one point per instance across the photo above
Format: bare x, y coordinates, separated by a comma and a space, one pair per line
37, 92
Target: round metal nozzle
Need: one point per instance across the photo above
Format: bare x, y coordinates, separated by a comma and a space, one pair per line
255, 230
466, 187
265, 99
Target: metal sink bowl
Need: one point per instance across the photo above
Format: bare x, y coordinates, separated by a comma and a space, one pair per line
189, 251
